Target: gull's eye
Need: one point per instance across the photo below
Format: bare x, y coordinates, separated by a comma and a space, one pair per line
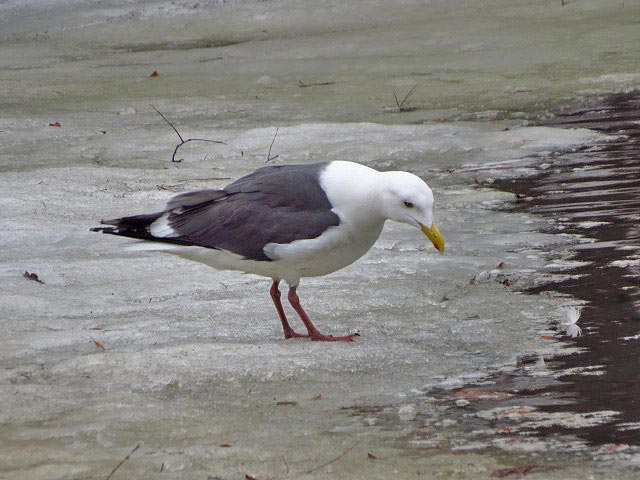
408, 204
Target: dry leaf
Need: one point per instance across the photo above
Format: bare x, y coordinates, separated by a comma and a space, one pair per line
154, 74
225, 445
99, 345
32, 276
547, 337
55, 124
249, 477
505, 472
481, 395
500, 265
287, 403
317, 397
371, 456
613, 447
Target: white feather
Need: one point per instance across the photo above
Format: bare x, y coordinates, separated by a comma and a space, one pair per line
572, 315
161, 228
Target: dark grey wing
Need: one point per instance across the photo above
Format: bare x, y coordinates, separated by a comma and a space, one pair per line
191, 199
295, 187
275, 204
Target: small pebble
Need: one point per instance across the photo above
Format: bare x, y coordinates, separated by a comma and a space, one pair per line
407, 412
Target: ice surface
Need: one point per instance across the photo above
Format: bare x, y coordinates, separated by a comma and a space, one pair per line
117, 349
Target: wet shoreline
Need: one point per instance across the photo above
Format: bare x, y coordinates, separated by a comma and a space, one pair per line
593, 193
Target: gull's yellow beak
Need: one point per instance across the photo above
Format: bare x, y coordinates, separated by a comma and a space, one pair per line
434, 235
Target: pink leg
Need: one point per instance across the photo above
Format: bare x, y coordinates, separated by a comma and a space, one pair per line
314, 334
275, 296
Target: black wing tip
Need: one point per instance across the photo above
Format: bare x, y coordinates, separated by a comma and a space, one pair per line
112, 230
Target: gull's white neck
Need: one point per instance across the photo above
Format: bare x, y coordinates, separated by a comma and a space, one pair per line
354, 192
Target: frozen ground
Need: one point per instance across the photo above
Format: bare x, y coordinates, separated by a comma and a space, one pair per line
116, 350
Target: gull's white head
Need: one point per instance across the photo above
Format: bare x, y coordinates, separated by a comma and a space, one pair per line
406, 198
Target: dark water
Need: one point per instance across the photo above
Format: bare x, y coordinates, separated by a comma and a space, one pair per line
594, 193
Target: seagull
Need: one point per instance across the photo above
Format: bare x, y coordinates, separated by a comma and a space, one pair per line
286, 222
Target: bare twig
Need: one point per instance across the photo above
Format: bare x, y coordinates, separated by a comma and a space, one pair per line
175, 151
302, 84
123, 460
333, 460
396, 97
170, 124
206, 179
220, 57
285, 464
182, 182
399, 103
269, 157
182, 140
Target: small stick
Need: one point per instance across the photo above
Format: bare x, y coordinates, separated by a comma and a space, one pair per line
301, 84
396, 97
406, 97
211, 59
334, 460
173, 157
182, 140
206, 179
124, 460
170, 124
269, 158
